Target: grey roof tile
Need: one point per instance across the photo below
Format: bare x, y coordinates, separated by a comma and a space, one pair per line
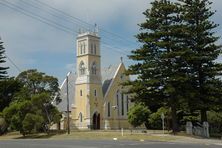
62, 106
107, 76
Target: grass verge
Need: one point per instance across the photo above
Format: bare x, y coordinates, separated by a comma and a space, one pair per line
92, 135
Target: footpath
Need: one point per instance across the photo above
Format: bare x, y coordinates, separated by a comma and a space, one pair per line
194, 139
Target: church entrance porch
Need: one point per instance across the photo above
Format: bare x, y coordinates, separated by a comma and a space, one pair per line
96, 121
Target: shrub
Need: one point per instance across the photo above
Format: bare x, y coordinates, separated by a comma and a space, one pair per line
215, 122
3, 126
155, 121
138, 114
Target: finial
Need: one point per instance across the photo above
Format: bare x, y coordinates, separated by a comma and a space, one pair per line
121, 58
96, 29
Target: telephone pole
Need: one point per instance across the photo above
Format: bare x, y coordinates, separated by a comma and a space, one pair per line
67, 91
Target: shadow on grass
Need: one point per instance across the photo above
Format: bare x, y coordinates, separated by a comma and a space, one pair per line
41, 135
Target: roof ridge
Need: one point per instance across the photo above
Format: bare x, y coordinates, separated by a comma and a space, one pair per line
112, 80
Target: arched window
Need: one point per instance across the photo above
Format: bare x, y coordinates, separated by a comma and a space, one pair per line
84, 47
80, 92
127, 103
94, 48
91, 48
95, 93
122, 103
82, 68
93, 68
122, 76
117, 98
117, 101
80, 48
80, 117
108, 109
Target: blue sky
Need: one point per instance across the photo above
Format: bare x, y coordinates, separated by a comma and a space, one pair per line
30, 43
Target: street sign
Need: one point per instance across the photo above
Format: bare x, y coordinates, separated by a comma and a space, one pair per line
162, 116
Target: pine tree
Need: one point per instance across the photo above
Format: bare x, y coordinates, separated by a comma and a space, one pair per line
161, 68
3, 72
4, 92
201, 41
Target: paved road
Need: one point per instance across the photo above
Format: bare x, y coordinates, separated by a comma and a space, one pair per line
97, 144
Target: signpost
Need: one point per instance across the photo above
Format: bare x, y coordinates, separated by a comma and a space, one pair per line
162, 117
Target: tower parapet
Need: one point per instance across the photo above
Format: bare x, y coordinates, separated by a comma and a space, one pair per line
94, 32
81, 34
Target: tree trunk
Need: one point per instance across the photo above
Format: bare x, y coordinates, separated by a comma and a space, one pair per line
203, 115
174, 119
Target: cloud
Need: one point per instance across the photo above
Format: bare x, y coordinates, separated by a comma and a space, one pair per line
34, 44
103, 12
71, 67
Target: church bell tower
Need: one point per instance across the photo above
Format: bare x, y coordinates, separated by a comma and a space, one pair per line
87, 111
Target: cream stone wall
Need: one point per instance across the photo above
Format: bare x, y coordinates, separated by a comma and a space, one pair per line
116, 119
87, 104
80, 107
96, 102
88, 52
91, 105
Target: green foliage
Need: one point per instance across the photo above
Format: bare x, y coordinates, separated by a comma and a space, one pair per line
201, 41
161, 67
155, 121
31, 109
138, 115
215, 122
193, 117
32, 122
8, 112
3, 69
8, 88
15, 113
3, 125
176, 64
33, 115
38, 82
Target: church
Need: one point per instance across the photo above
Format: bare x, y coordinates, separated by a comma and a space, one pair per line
96, 95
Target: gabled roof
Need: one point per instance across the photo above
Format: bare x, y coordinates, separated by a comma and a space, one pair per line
107, 77
62, 106
117, 71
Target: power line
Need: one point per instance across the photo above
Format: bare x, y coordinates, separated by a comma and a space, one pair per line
52, 13
13, 63
34, 6
84, 22
61, 12
36, 17
50, 23
19, 10
49, 12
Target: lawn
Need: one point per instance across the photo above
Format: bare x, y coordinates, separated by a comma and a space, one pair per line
93, 135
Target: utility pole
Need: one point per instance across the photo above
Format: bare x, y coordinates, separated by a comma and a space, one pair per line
162, 117
67, 91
